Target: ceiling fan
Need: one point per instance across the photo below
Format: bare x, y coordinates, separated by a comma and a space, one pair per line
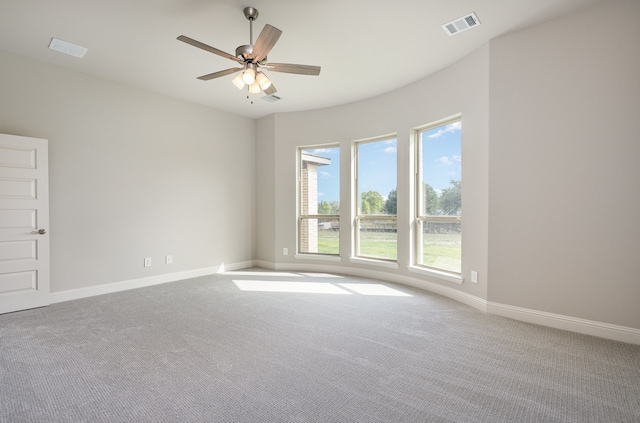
253, 59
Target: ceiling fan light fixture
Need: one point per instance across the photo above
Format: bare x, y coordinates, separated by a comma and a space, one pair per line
254, 88
253, 58
238, 81
262, 79
249, 75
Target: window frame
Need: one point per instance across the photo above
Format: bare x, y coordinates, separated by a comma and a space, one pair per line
420, 216
358, 217
301, 216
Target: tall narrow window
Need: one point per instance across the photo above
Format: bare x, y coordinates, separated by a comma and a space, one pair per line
439, 194
376, 233
319, 200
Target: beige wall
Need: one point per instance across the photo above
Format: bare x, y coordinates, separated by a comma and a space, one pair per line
550, 173
132, 175
265, 191
550, 166
564, 235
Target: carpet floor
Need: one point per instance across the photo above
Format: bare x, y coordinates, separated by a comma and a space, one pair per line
263, 346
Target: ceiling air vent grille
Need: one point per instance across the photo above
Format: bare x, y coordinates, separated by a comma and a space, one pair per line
67, 48
461, 24
271, 98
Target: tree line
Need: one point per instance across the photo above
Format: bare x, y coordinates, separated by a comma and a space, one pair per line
448, 203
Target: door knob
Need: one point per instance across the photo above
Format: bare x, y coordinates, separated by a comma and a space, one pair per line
40, 232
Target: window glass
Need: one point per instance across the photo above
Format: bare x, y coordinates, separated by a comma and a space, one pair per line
376, 232
439, 214
319, 208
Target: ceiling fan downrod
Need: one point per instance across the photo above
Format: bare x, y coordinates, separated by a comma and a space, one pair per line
251, 13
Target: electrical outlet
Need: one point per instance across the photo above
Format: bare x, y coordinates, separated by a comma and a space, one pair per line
285, 251
168, 259
474, 276
147, 262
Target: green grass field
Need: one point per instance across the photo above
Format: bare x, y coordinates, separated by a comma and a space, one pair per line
439, 250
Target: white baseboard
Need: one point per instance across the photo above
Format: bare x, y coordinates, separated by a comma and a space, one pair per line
557, 321
108, 288
573, 324
455, 294
264, 264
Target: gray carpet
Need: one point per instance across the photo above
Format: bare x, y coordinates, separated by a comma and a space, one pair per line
225, 349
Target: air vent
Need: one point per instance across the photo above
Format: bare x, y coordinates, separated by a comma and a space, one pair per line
461, 24
67, 48
271, 98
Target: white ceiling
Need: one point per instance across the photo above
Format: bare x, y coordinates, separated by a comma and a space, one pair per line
365, 49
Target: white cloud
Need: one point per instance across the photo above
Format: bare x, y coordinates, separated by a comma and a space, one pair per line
390, 150
437, 134
455, 126
457, 158
324, 175
452, 127
444, 160
321, 151
438, 191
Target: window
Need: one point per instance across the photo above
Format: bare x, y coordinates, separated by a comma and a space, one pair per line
376, 232
439, 196
319, 200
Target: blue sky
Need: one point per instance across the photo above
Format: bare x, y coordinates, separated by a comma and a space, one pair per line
441, 155
378, 163
378, 166
328, 175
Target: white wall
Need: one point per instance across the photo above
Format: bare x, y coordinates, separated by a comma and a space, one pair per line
550, 169
132, 175
266, 199
564, 166
461, 88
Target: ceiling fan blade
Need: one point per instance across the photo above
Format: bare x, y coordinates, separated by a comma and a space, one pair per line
291, 68
270, 90
208, 48
265, 42
219, 74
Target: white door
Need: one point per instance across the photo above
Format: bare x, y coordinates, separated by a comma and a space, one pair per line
24, 223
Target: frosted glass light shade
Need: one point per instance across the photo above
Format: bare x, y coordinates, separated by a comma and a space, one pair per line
238, 82
254, 88
262, 79
249, 76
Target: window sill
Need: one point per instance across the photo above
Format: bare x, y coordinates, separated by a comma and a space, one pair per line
449, 277
324, 257
374, 262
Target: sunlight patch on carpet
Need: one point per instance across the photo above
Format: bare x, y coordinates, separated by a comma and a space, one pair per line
374, 289
297, 287
322, 275
270, 274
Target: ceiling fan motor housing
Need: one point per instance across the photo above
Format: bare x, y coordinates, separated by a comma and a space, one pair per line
244, 52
